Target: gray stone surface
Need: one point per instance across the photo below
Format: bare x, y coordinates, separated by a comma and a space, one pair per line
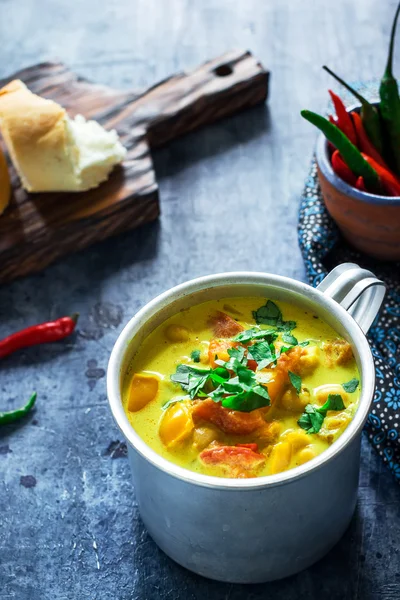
69, 526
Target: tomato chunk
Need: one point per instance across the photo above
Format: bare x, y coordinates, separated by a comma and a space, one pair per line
253, 447
235, 461
224, 326
289, 361
229, 421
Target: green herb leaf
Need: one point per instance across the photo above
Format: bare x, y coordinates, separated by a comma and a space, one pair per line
295, 380
255, 334
304, 344
263, 353
270, 314
311, 420
237, 353
195, 356
351, 385
174, 401
191, 379
288, 338
286, 325
313, 417
248, 401
334, 402
219, 375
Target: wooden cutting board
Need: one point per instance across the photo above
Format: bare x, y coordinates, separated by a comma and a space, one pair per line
37, 229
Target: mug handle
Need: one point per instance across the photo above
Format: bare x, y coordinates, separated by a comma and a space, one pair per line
357, 290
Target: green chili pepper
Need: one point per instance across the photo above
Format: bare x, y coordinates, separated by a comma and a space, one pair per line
350, 154
369, 114
390, 102
16, 415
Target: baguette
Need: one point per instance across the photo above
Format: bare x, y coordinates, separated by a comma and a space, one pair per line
50, 151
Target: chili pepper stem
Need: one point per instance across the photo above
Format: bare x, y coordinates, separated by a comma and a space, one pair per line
347, 86
389, 65
369, 114
74, 317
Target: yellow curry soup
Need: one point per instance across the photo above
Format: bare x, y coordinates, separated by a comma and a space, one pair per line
241, 387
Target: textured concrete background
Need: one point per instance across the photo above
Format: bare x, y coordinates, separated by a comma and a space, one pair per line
69, 526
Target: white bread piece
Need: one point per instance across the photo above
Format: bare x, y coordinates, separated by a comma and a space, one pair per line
50, 151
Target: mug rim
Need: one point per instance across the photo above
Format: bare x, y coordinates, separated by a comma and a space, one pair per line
325, 166
192, 286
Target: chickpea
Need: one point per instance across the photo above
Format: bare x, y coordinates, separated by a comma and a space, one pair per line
305, 455
297, 439
322, 392
177, 333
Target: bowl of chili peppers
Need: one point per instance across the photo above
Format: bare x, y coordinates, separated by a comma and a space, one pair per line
358, 161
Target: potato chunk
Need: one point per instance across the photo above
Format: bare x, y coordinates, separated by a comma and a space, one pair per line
176, 424
293, 401
337, 352
309, 360
280, 458
144, 389
203, 437
177, 333
297, 440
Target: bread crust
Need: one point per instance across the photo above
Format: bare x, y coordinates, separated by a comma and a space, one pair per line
41, 142
34, 128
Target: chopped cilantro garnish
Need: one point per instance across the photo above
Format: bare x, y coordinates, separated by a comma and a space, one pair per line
288, 338
191, 379
173, 400
195, 356
270, 314
351, 385
263, 353
255, 334
304, 344
241, 391
313, 417
334, 402
295, 380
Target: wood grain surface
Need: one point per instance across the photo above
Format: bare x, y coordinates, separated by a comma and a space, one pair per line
39, 228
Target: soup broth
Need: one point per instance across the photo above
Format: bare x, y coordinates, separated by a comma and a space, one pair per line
241, 387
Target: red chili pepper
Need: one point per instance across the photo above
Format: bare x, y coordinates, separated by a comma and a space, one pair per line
364, 144
360, 185
342, 170
52, 331
388, 180
344, 121
251, 446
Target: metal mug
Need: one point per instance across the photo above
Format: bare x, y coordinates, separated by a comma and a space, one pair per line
259, 529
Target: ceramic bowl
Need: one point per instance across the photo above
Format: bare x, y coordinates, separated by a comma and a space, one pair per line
370, 223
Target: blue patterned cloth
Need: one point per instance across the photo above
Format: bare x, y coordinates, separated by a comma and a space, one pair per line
323, 247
